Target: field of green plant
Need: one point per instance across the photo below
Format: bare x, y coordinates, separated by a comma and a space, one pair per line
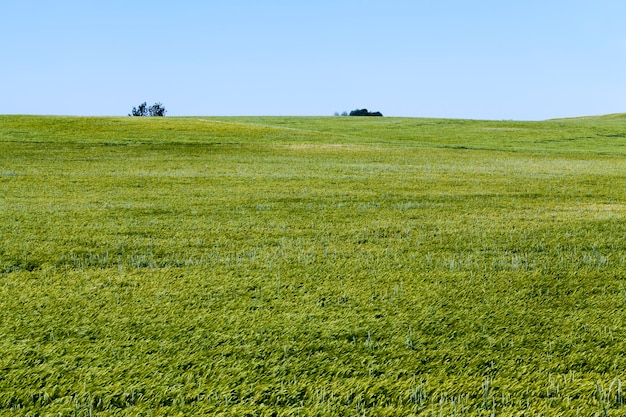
302, 266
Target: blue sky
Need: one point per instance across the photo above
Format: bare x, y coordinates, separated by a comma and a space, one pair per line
524, 60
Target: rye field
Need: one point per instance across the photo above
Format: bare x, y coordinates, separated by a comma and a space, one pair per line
312, 266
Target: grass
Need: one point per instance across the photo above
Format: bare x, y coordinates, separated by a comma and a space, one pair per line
312, 266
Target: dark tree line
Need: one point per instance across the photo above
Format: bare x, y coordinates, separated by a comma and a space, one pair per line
156, 110
360, 112
364, 112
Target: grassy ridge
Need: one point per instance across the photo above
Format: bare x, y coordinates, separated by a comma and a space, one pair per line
311, 266
598, 135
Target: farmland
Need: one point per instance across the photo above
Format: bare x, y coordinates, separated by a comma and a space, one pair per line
312, 266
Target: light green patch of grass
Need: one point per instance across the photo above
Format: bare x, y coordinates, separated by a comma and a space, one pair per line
311, 266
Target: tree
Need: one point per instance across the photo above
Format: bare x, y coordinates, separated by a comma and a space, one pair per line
143, 110
157, 110
140, 111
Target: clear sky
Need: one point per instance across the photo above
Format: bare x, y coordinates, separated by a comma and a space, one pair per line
481, 59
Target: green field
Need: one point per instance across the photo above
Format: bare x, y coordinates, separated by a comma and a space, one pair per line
311, 266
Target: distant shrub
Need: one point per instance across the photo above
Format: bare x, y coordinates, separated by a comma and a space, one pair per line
365, 112
156, 110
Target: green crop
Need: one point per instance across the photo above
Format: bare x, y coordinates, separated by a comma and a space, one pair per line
269, 266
